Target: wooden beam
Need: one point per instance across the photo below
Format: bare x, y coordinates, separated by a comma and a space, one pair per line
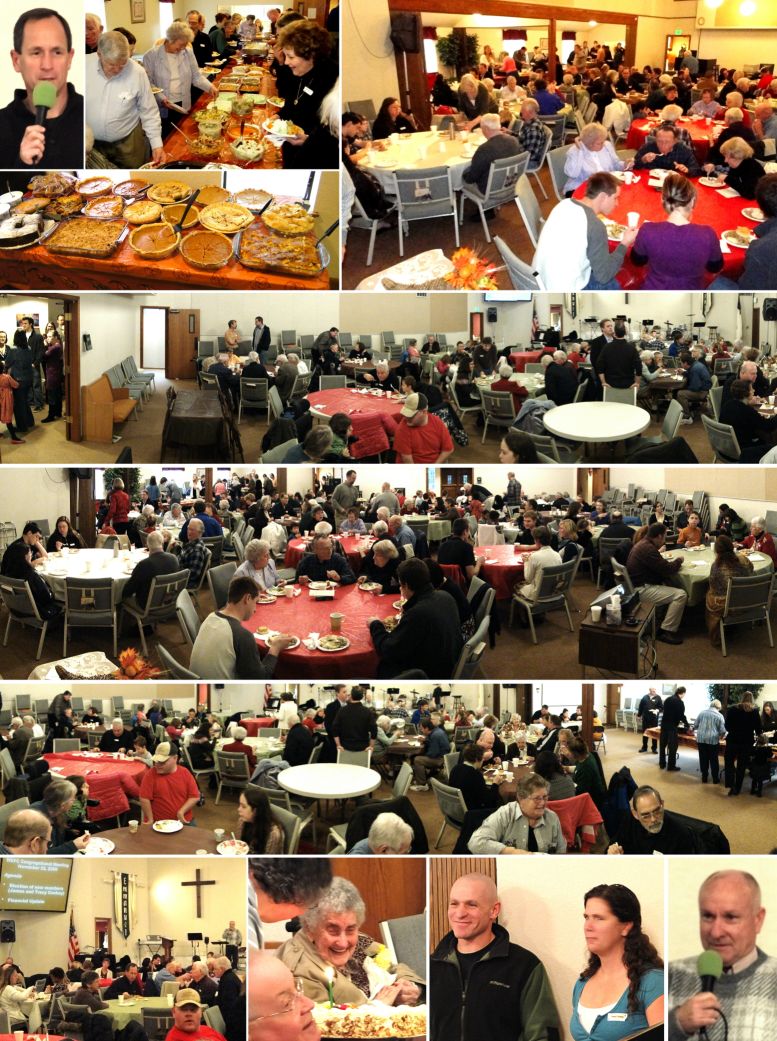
509, 9
587, 701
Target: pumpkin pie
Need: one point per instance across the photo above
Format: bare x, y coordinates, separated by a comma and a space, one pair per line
207, 250
132, 188
211, 194
154, 241
142, 211
91, 187
173, 214
107, 206
226, 217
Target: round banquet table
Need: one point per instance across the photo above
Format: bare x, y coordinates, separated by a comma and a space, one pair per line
520, 359
302, 615
124, 1013
255, 724
264, 748
423, 151
701, 133
329, 780
694, 576
350, 545
90, 563
147, 842
104, 772
534, 382
365, 410
353, 368
434, 528
595, 422
711, 208
505, 567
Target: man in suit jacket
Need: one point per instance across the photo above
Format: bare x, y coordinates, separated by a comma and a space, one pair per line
19, 737
496, 146
607, 335
37, 348
261, 338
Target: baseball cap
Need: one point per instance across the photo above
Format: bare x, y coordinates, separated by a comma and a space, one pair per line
163, 753
188, 996
414, 403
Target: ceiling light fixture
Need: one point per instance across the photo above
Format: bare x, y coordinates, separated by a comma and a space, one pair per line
748, 8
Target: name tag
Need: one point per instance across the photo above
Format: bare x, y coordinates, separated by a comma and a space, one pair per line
307, 90
617, 1017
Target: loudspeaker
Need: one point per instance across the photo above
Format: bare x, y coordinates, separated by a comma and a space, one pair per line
769, 309
491, 314
406, 32
7, 931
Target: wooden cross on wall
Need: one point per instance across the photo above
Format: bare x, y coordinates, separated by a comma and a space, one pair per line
198, 882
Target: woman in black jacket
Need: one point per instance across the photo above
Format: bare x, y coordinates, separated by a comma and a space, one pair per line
304, 80
18, 564
743, 724
391, 120
299, 745
19, 365
752, 430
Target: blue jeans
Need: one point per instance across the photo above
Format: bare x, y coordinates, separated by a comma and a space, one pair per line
721, 282
612, 284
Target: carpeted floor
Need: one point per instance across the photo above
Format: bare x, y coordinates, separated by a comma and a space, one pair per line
47, 444
555, 656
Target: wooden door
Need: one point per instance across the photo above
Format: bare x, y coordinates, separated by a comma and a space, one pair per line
592, 483
71, 354
452, 478
391, 887
443, 872
183, 328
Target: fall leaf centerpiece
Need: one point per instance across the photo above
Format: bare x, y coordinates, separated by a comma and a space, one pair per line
470, 271
133, 666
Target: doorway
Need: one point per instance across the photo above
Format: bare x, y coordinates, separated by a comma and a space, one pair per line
153, 337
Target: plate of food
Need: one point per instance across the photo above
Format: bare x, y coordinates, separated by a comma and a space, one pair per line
282, 128
754, 213
370, 587
276, 591
370, 1020
390, 623
399, 604
266, 598
275, 101
232, 848
289, 218
97, 847
711, 182
332, 643
615, 231
320, 585
263, 637
167, 827
739, 237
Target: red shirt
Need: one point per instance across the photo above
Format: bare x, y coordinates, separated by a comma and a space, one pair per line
424, 443
202, 1033
248, 752
168, 792
764, 544
118, 510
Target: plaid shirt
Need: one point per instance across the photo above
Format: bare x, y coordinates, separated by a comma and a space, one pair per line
194, 555
531, 137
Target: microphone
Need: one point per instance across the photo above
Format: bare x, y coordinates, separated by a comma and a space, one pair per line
709, 966
43, 97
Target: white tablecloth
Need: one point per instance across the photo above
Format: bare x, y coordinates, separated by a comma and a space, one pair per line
422, 151
90, 563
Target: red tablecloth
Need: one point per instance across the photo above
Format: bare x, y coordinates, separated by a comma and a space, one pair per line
104, 983
112, 781
303, 615
253, 726
720, 214
507, 570
701, 134
350, 544
374, 419
519, 359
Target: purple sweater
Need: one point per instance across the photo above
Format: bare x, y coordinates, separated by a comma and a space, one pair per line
678, 255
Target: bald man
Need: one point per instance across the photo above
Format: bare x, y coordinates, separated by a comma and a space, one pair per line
276, 1011
730, 918
481, 984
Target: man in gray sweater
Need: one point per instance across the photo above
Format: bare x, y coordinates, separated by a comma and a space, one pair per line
498, 145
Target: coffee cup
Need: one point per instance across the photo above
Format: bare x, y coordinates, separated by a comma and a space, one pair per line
633, 219
219, 833
336, 621
289, 591
628, 176
515, 763
18, 1035
394, 139
133, 827
201, 852
596, 613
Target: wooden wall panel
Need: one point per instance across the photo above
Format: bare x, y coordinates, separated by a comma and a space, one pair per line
390, 886
443, 872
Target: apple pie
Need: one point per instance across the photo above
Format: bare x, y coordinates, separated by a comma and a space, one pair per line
207, 250
226, 217
168, 192
107, 206
64, 206
52, 185
143, 211
253, 198
288, 218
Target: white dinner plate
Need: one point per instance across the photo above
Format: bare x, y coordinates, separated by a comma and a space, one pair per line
711, 182
97, 847
754, 213
167, 827
346, 643
232, 848
729, 236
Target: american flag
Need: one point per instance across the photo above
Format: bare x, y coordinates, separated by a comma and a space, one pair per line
72, 943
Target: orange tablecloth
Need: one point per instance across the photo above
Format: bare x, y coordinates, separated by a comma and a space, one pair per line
720, 214
701, 134
507, 570
302, 615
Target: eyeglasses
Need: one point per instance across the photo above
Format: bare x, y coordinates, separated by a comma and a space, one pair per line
651, 814
291, 1004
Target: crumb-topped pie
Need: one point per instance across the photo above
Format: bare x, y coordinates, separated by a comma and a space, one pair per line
84, 236
288, 218
226, 217
168, 192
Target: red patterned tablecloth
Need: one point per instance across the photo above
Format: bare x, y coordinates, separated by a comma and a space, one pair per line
374, 419
350, 544
519, 359
507, 570
105, 776
701, 134
720, 214
302, 615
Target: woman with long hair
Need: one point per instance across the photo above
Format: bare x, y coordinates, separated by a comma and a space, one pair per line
623, 982
13, 994
118, 507
64, 534
727, 564
257, 826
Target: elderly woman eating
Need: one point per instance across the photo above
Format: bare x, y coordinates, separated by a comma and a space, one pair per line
591, 153
525, 826
330, 939
259, 565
